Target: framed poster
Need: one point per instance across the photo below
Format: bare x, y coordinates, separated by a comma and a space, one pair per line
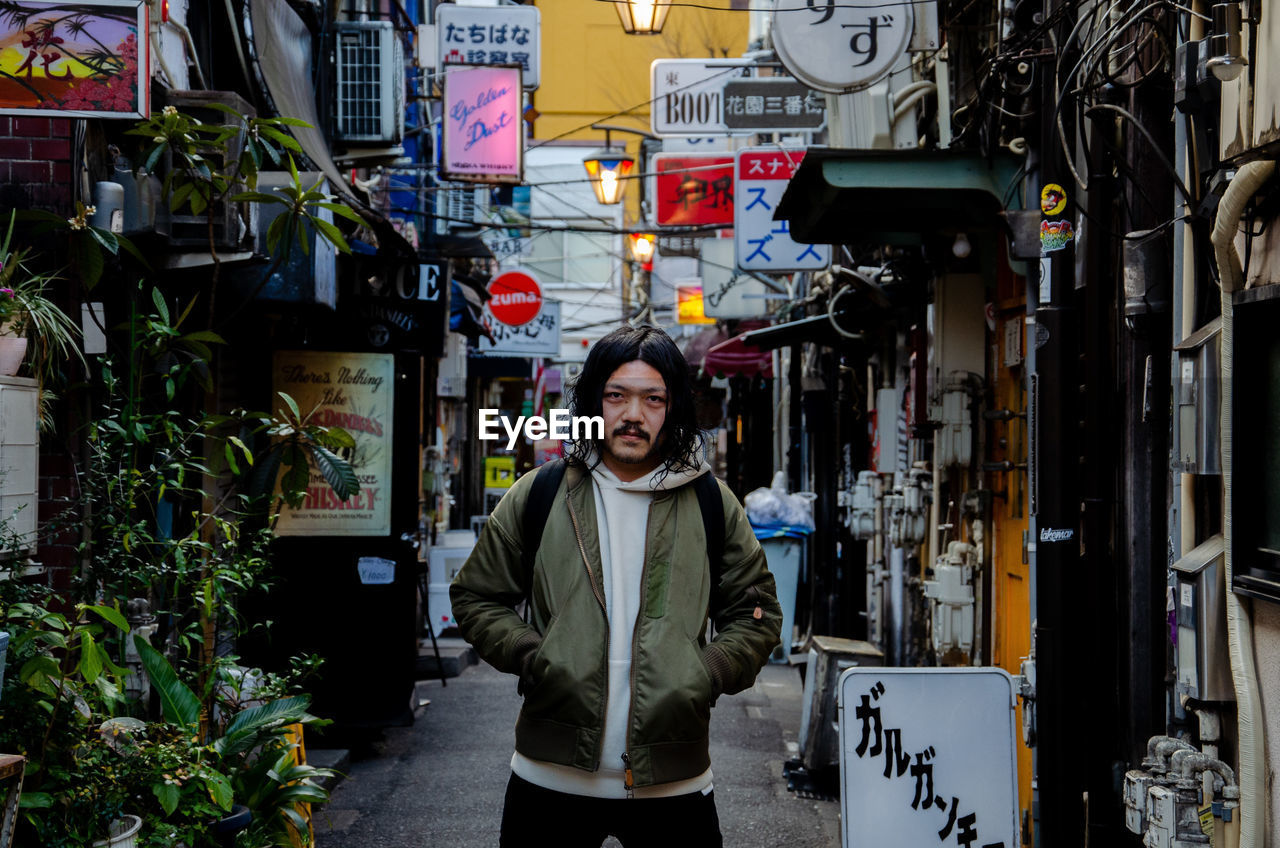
354, 391
87, 59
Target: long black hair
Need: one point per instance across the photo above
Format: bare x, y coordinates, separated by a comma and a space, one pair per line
681, 443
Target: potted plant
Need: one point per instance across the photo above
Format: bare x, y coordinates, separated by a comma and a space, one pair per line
32, 327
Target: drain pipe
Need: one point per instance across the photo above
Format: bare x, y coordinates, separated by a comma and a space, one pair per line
1252, 764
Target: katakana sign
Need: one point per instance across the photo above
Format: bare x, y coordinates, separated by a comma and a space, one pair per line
765, 105
693, 190
491, 35
760, 242
844, 46
927, 758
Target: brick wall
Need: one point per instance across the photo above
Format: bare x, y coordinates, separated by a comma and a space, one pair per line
35, 163
36, 173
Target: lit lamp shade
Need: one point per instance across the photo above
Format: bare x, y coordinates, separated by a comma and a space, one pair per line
642, 245
608, 170
643, 17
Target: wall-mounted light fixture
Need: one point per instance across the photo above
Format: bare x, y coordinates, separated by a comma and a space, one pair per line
1226, 59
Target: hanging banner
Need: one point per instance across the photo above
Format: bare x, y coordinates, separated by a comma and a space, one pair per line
927, 757
483, 135
88, 59
354, 391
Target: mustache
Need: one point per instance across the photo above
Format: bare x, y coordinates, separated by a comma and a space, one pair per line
631, 431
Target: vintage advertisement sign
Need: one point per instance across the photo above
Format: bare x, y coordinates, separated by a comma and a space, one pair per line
770, 104
693, 189
483, 134
354, 391
761, 243
491, 35
927, 757
88, 59
841, 47
537, 337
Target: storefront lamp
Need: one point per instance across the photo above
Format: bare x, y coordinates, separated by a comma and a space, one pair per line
643, 17
642, 245
608, 170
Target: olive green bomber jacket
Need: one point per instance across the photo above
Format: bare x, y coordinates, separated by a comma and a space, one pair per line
561, 655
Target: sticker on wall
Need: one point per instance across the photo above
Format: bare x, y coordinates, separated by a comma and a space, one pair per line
1055, 235
1052, 199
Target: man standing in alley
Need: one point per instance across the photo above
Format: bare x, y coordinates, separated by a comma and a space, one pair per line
629, 554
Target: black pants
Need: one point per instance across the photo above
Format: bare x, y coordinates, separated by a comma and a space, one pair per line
534, 817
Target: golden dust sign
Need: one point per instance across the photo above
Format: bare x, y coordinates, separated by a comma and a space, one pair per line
354, 391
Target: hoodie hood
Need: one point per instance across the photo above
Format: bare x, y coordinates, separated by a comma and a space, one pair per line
650, 482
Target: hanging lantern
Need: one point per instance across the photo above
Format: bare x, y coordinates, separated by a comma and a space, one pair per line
643, 17
608, 170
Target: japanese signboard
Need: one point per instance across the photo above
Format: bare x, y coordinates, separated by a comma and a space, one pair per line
694, 189
88, 59
491, 35
726, 291
927, 758
763, 244
705, 96
483, 133
354, 391
764, 105
538, 337
841, 47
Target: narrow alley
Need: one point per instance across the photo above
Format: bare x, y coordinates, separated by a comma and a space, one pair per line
441, 781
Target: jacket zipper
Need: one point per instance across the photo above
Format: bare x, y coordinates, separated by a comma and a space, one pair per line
591, 578
627, 779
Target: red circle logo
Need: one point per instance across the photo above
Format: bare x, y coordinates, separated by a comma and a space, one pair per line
515, 298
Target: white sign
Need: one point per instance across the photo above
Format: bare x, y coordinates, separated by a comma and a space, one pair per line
841, 47
376, 571
491, 35
761, 176
539, 337
927, 757
726, 291
688, 94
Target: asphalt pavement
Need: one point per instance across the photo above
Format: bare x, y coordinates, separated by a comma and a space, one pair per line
441, 781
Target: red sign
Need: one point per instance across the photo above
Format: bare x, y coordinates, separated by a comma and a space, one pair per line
515, 298
768, 164
694, 189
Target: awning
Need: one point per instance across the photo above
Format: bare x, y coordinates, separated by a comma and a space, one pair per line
466, 306
280, 44
438, 248
735, 358
838, 196
695, 347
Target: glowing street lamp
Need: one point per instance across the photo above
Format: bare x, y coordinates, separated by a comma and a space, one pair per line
642, 17
608, 170
642, 245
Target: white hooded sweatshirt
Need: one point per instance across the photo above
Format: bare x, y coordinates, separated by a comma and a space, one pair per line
622, 512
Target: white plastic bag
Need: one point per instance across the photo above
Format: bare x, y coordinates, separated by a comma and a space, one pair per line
773, 506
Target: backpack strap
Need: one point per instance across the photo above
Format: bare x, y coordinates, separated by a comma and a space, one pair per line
712, 508
542, 493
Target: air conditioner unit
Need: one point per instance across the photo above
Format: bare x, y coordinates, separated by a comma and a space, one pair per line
368, 84
458, 204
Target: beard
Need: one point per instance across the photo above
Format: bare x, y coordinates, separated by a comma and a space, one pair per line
634, 453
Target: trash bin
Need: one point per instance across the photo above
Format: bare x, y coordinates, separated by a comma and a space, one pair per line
783, 555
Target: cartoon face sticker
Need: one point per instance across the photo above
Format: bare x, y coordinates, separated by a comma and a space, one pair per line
1052, 199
